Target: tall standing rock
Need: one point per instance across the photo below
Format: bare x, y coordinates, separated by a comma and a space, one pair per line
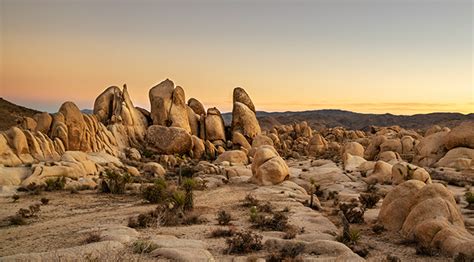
160, 101
168, 106
215, 129
75, 127
197, 106
244, 119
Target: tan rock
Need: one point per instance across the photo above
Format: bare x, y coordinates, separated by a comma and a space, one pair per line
233, 157
43, 122
214, 125
239, 140
460, 136
403, 171
160, 101
458, 158
169, 140
198, 147
196, 106
268, 168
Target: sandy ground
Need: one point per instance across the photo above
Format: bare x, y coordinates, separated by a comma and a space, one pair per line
60, 223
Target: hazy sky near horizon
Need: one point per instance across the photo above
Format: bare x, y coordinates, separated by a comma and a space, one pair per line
397, 56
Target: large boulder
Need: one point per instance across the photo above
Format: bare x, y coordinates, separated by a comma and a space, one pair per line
460, 136
317, 145
196, 106
268, 168
198, 147
214, 123
458, 158
169, 140
76, 126
403, 171
430, 149
160, 101
244, 119
43, 122
179, 110
428, 214
234, 157
381, 174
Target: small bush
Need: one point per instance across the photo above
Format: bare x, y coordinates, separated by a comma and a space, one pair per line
369, 200
179, 199
265, 207
188, 186
469, 196
291, 232
250, 201
143, 247
275, 222
17, 220
378, 228
217, 233
54, 184
289, 252
114, 182
156, 193
44, 201
15, 197
352, 212
244, 242
192, 219
223, 218
93, 237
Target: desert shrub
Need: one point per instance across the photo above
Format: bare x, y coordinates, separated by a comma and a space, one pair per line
147, 153
426, 251
352, 212
289, 252
93, 237
192, 219
188, 186
53, 184
250, 201
369, 200
469, 196
15, 197
156, 193
217, 233
291, 232
350, 238
265, 207
275, 222
179, 199
378, 228
73, 191
114, 182
17, 220
244, 242
223, 218
44, 201
144, 220
143, 247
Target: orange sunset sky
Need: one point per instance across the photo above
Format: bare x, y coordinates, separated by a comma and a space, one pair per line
396, 56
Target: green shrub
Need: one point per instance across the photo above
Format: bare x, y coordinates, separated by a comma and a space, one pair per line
15, 197
156, 193
244, 242
217, 233
143, 247
369, 200
44, 201
93, 237
289, 252
469, 196
223, 218
53, 184
188, 186
114, 182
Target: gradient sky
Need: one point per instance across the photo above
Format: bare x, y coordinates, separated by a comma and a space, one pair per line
397, 56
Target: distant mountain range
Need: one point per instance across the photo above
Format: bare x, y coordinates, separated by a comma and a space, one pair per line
317, 119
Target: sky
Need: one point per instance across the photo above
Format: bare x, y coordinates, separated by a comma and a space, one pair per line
370, 56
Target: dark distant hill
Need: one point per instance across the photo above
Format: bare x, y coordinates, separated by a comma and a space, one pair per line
9, 113
351, 120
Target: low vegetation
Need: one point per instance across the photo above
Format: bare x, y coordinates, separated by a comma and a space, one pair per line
143, 246
244, 242
289, 253
223, 218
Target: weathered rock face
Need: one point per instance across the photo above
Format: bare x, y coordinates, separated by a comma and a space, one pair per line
76, 126
43, 122
244, 119
460, 136
458, 158
317, 145
168, 105
160, 100
198, 148
403, 171
194, 120
430, 149
169, 140
427, 214
382, 173
268, 168
115, 109
196, 106
215, 129
234, 157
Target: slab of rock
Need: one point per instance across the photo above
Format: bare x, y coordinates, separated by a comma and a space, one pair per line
169, 140
268, 167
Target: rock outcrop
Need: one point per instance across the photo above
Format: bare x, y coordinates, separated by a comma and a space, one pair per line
268, 168
244, 119
169, 140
